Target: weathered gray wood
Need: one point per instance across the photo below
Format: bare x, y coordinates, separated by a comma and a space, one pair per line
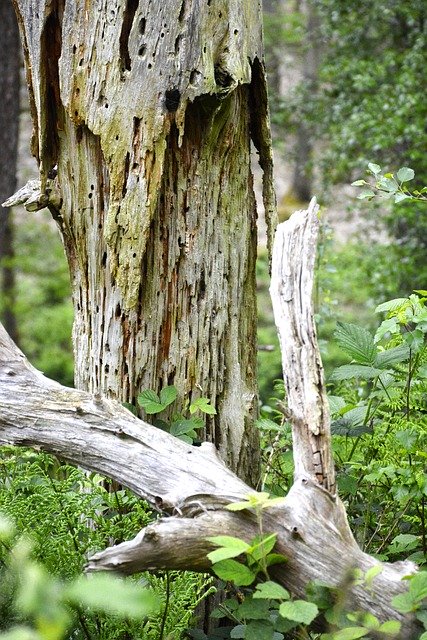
192, 484
291, 293
148, 110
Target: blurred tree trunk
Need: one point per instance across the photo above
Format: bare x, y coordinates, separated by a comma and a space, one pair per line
302, 186
9, 125
147, 111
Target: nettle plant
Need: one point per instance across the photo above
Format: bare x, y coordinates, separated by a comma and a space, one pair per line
184, 428
380, 428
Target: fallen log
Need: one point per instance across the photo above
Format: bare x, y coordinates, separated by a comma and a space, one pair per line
190, 486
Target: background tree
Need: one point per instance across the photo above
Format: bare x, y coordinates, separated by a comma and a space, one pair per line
9, 121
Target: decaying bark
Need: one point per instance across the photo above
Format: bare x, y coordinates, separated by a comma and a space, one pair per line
291, 290
191, 484
144, 112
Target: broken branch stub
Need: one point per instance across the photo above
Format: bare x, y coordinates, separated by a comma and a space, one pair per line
294, 254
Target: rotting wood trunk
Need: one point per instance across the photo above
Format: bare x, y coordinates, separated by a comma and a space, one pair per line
191, 484
145, 111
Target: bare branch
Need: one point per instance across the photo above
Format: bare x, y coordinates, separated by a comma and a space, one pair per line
291, 287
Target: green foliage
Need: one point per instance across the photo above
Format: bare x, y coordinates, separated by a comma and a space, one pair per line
69, 514
179, 426
46, 608
389, 185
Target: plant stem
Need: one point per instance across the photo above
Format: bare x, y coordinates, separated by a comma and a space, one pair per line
165, 611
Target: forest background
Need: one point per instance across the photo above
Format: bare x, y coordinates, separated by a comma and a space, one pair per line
347, 87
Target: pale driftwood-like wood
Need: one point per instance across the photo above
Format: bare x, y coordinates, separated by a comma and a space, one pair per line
192, 485
147, 110
291, 293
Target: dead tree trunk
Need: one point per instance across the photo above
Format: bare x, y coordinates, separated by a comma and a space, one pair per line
191, 484
143, 115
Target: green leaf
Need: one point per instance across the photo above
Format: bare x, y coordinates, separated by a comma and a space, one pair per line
403, 603
374, 168
399, 197
253, 610
259, 630
129, 600
391, 627
265, 424
407, 438
168, 395
238, 631
391, 305
350, 633
349, 371
358, 183
405, 174
299, 611
392, 356
230, 548
336, 403
271, 591
130, 407
372, 573
275, 558
418, 586
387, 184
366, 193
150, 402
356, 341
202, 404
262, 546
233, 571
183, 426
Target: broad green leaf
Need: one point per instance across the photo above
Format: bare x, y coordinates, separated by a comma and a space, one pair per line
403, 603
271, 591
112, 595
372, 573
202, 404
168, 395
405, 174
150, 402
262, 546
239, 506
356, 341
130, 407
233, 571
238, 631
275, 558
391, 627
344, 427
407, 438
399, 197
265, 424
259, 630
391, 325
253, 610
299, 611
358, 183
350, 633
349, 371
392, 356
336, 403
366, 193
391, 305
374, 168
418, 586
181, 427
387, 184
230, 548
